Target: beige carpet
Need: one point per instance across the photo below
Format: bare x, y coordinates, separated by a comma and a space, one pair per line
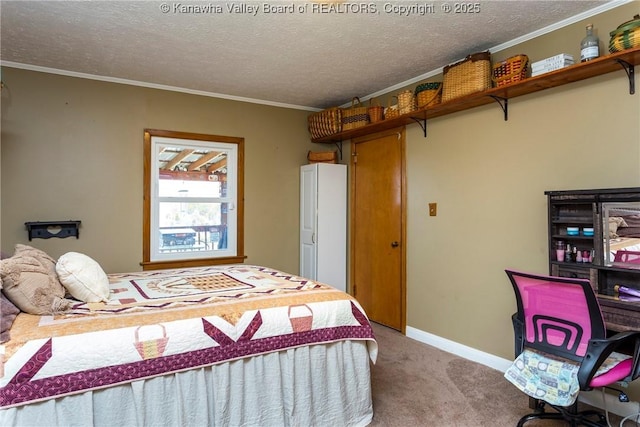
415, 384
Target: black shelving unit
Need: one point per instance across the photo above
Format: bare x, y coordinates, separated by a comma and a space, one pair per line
584, 209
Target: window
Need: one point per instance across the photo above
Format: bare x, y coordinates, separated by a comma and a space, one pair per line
193, 199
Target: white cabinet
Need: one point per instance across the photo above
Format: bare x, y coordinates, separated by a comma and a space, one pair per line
323, 223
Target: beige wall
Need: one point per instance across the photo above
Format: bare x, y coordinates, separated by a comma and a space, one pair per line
72, 149
488, 177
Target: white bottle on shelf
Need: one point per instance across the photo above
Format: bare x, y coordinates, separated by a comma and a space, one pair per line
589, 46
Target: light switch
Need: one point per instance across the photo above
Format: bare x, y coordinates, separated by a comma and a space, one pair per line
433, 209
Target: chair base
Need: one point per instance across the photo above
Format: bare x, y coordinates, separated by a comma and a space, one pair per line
570, 414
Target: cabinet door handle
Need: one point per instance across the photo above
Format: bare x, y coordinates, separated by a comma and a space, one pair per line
313, 237
394, 244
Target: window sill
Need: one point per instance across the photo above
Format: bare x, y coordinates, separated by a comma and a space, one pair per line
185, 263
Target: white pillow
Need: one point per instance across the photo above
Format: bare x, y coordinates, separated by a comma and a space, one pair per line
83, 277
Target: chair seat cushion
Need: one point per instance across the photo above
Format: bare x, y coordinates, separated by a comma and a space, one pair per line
555, 379
619, 372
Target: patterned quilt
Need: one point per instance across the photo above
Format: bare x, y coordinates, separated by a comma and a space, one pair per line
160, 322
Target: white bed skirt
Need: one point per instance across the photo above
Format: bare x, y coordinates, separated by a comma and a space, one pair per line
321, 385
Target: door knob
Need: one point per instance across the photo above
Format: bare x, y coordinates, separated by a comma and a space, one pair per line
394, 244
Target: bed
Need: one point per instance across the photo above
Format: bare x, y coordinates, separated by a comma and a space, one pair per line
233, 345
624, 238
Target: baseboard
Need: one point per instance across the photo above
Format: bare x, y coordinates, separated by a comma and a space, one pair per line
593, 398
458, 349
610, 403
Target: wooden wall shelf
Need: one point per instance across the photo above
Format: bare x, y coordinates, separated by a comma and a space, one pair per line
625, 60
49, 229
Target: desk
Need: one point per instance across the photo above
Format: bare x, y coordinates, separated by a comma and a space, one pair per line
619, 315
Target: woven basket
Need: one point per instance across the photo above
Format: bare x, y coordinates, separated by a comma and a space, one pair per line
511, 70
428, 94
325, 123
375, 111
356, 116
322, 157
406, 102
626, 36
391, 112
473, 74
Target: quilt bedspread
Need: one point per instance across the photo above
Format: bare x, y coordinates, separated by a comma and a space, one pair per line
160, 322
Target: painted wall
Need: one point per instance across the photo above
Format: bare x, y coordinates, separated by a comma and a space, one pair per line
72, 149
488, 177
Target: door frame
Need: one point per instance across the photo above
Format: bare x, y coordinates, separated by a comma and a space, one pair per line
401, 132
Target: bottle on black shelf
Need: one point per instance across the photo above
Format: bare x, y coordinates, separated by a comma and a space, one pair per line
589, 46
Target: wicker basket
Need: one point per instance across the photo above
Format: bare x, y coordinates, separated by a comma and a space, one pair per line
391, 112
325, 123
322, 157
626, 36
428, 94
356, 116
511, 70
406, 102
473, 74
375, 111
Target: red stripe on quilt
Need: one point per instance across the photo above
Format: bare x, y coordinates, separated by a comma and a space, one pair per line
34, 364
22, 390
224, 339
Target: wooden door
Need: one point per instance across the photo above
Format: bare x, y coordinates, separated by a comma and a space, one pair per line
378, 226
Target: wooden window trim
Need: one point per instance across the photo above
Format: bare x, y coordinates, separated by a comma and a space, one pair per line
146, 263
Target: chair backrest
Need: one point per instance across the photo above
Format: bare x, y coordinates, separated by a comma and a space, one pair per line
558, 315
622, 255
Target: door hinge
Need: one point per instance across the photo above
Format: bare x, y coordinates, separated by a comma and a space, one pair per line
355, 157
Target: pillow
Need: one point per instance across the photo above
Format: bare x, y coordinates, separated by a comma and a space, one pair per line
9, 313
83, 277
44, 258
631, 221
30, 282
614, 223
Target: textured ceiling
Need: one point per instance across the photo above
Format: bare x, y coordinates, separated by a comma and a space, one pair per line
316, 55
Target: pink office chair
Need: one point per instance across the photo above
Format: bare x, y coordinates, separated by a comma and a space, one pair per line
632, 257
560, 317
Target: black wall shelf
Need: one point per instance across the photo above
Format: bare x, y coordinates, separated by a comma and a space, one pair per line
49, 229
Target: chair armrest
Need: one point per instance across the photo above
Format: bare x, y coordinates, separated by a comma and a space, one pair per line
599, 349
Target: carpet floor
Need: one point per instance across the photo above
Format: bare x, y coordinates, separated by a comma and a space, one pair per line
415, 384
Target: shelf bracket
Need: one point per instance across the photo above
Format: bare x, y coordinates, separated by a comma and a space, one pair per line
338, 145
630, 70
422, 123
504, 104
